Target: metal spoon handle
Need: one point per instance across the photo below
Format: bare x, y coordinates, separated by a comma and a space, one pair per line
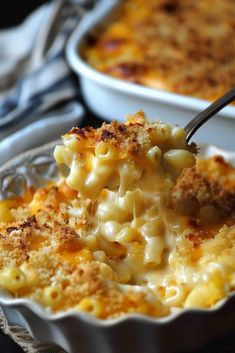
206, 114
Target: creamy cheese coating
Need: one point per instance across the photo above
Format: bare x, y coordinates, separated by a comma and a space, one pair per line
121, 233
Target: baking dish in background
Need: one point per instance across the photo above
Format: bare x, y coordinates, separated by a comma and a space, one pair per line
184, 331
102, 92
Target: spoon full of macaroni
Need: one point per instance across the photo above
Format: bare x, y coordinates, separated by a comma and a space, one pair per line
125, 156
209, 112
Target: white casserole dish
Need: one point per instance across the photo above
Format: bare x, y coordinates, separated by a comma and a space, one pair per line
185, 330
102, 92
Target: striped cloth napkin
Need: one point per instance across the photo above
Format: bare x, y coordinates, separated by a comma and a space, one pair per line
39, 96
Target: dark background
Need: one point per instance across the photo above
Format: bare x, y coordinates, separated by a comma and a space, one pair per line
12, 13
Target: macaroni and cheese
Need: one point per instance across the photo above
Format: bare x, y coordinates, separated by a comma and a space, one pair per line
135, 226
183, 46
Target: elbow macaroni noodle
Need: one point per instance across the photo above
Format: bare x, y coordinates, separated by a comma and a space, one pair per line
108, 241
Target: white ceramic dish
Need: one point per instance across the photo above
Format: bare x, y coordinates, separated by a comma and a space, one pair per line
111, 98
183, 331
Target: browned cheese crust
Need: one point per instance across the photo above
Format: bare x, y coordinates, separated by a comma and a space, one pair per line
183, 46
206, 195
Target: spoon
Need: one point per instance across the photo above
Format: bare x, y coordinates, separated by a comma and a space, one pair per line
206, 114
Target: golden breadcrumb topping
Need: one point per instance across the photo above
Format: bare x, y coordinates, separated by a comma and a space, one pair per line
183, 46
210, 182
206, 195
45, 241
129, 137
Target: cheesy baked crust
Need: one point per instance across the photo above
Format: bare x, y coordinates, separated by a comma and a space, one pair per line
45, 253
183, 46
210, 182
